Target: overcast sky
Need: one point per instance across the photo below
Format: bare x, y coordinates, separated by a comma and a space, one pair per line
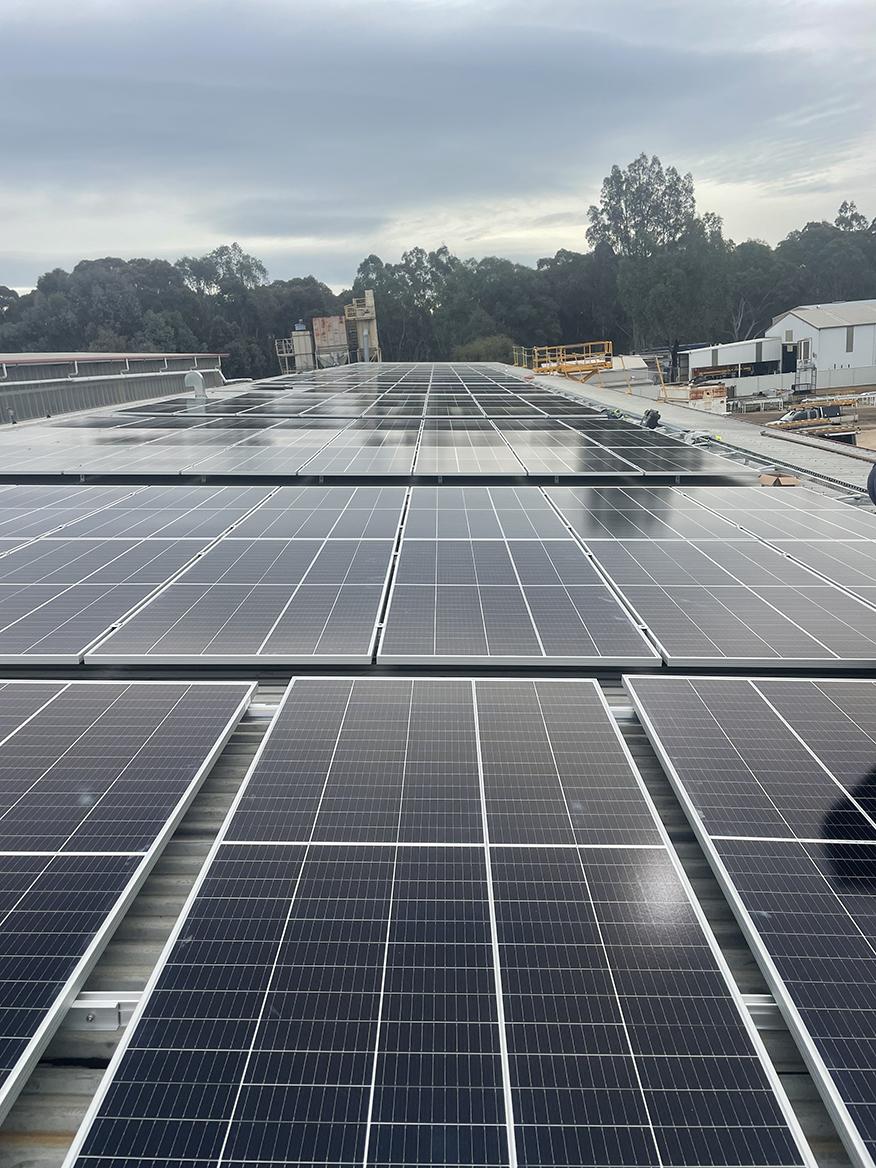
317, 132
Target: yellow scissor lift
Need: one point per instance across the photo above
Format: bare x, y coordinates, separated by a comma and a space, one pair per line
576, 361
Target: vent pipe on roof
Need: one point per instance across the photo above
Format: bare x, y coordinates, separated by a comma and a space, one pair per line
195, 381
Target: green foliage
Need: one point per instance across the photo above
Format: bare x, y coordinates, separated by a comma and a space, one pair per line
849, 218
495, 348
657, 272
221, 302
643, 208
8, 297
225, 271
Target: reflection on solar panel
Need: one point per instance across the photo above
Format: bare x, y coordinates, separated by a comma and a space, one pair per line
499, 600
94, 777
425, 421
759, 607
368, 448
777, 778
638, 513
464, 447
366, 975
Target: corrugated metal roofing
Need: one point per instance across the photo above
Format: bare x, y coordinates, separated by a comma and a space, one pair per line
839, 315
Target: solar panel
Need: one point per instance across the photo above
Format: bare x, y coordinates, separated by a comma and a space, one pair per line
402, 989
60, 594
850, 564
251, 600
787, 514
448, 512
342, 512
503, 601
368, 448
100, 561
759, 607
171, 512
637, 513
392, 424
94, 777
451, 447
776, 777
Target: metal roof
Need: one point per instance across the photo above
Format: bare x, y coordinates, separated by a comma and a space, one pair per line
732, 344
839, 315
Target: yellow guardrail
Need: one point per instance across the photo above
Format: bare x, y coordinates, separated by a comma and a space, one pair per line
572, 360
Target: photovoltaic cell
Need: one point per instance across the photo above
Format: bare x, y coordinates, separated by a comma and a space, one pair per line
777, 778
93, 778
404, 989
249, 600
709, 602
496, 599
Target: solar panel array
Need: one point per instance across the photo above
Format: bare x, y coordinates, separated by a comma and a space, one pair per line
428, 934
423, 421
501, 582
778, 778
442, 923
484, 575
303, 579
93, 778
694, 567
73, 570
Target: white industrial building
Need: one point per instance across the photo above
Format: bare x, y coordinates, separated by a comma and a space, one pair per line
840, 339
834, 336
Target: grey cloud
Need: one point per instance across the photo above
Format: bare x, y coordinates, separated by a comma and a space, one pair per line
289, 216
560, 219
290, 121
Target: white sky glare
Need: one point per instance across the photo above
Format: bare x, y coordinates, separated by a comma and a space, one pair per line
315, 133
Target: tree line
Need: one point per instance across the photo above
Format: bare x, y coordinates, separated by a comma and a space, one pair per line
655, 271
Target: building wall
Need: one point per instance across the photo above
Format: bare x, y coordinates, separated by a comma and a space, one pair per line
26, 400
741, 353
854, 380
828, 345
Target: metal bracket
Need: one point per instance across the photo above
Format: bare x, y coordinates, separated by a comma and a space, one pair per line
100, 1012
624, 714
764, 1011
259, 711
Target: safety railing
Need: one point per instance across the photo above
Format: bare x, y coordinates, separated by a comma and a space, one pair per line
586, 357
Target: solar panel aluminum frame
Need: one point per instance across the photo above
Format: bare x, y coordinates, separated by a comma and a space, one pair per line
748, 1025
821, 1076
26, 1064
